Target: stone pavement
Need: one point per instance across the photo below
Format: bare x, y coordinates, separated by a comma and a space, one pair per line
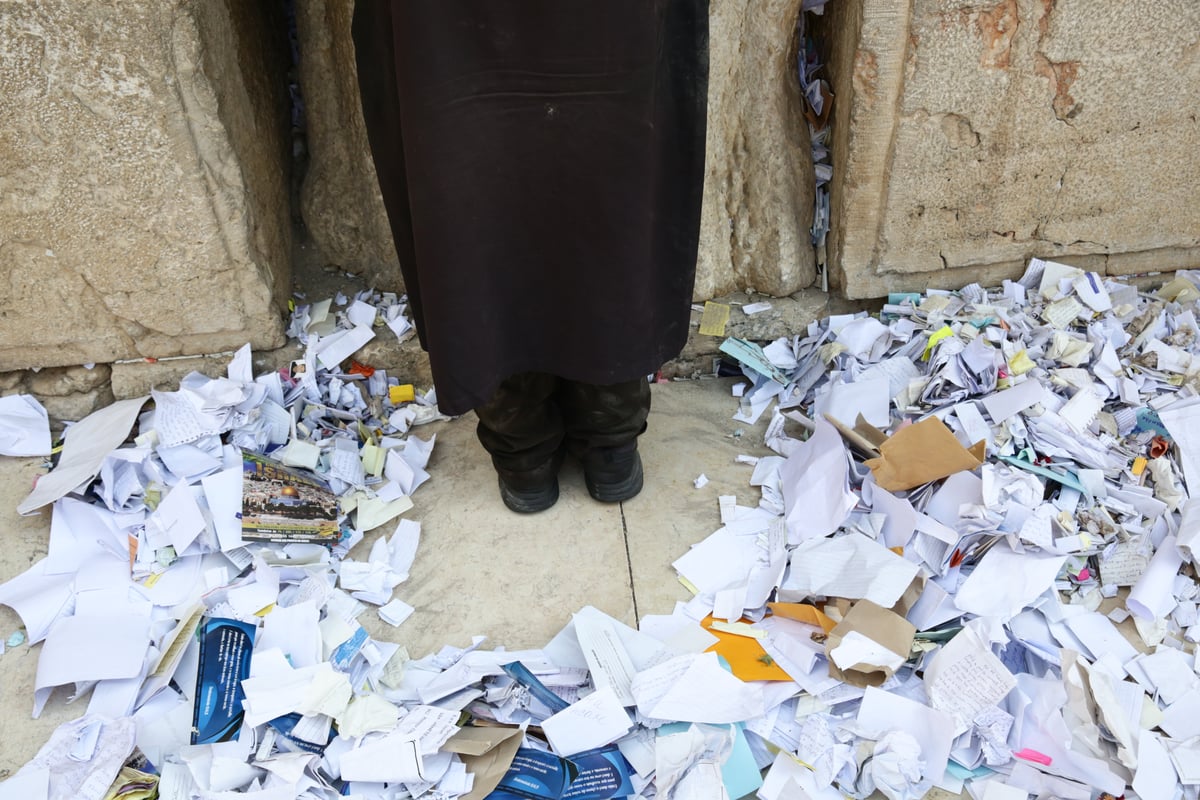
480, 569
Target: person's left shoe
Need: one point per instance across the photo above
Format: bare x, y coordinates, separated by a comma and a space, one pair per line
613, 474
530, 491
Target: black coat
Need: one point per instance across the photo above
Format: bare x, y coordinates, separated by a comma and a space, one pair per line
542, 164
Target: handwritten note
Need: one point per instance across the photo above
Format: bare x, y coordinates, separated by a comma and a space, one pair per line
965, 679
1123, 565
594, 721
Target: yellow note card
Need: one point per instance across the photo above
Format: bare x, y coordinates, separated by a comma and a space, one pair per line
714, 319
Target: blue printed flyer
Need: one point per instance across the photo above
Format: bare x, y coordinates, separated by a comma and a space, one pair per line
598, 774
225, 648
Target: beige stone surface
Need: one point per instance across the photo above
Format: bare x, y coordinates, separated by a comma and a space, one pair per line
691, 431
758, 177
340, 200
140, 191
971, 136
483, 570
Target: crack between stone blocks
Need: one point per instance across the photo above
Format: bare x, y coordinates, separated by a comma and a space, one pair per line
629, 564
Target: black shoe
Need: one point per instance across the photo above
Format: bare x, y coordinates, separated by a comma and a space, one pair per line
530, 491
613, 474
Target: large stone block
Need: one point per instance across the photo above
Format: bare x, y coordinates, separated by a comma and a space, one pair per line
970, 136
340, 200
758, 189
758, 182
143, 205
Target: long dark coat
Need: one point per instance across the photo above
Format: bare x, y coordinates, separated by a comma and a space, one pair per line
542, 164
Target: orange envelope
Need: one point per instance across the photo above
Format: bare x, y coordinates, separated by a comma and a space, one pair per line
803, 612
745, 655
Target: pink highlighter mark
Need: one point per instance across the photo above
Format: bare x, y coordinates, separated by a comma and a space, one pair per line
1033, 755
1084, 574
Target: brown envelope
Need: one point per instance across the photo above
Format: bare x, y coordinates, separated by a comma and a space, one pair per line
488, 752
920, 453
879, 625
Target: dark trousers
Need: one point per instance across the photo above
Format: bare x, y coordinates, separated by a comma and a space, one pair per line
533, 416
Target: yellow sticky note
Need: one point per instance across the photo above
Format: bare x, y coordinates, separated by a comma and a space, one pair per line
737, 629
934, 338
373, 459
715, 318
1139, 465
1020, 363
401, 394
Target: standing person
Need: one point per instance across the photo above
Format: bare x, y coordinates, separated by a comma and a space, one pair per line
542, 164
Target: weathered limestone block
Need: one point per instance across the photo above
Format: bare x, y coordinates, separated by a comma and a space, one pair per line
970, 136
340, 200
758, 182
758, 190
143, 206
67, 393
12, 382
66, 381
74, 407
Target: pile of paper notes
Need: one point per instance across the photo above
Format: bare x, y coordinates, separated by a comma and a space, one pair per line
971, 568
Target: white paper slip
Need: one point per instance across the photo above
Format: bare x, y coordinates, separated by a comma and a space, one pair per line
1081, 409
1009, 402
594, 721
606, 657
395, 612
1004, 582
391, 758
333, 350
24, 426
1089, 287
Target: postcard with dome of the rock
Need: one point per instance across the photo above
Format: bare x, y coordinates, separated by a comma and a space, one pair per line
281, 504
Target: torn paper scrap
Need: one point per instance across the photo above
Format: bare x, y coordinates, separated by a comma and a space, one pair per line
816, 492
694, 688
24, 426
851, 566
1004, 582
85, 445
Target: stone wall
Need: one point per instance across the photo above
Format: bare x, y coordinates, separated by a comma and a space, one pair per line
144, 162
142, 181
758, 181
970, 136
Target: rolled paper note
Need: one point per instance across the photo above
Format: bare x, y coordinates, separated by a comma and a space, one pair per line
1153, 596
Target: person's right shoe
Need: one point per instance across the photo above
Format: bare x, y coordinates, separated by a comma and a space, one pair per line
613, 474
